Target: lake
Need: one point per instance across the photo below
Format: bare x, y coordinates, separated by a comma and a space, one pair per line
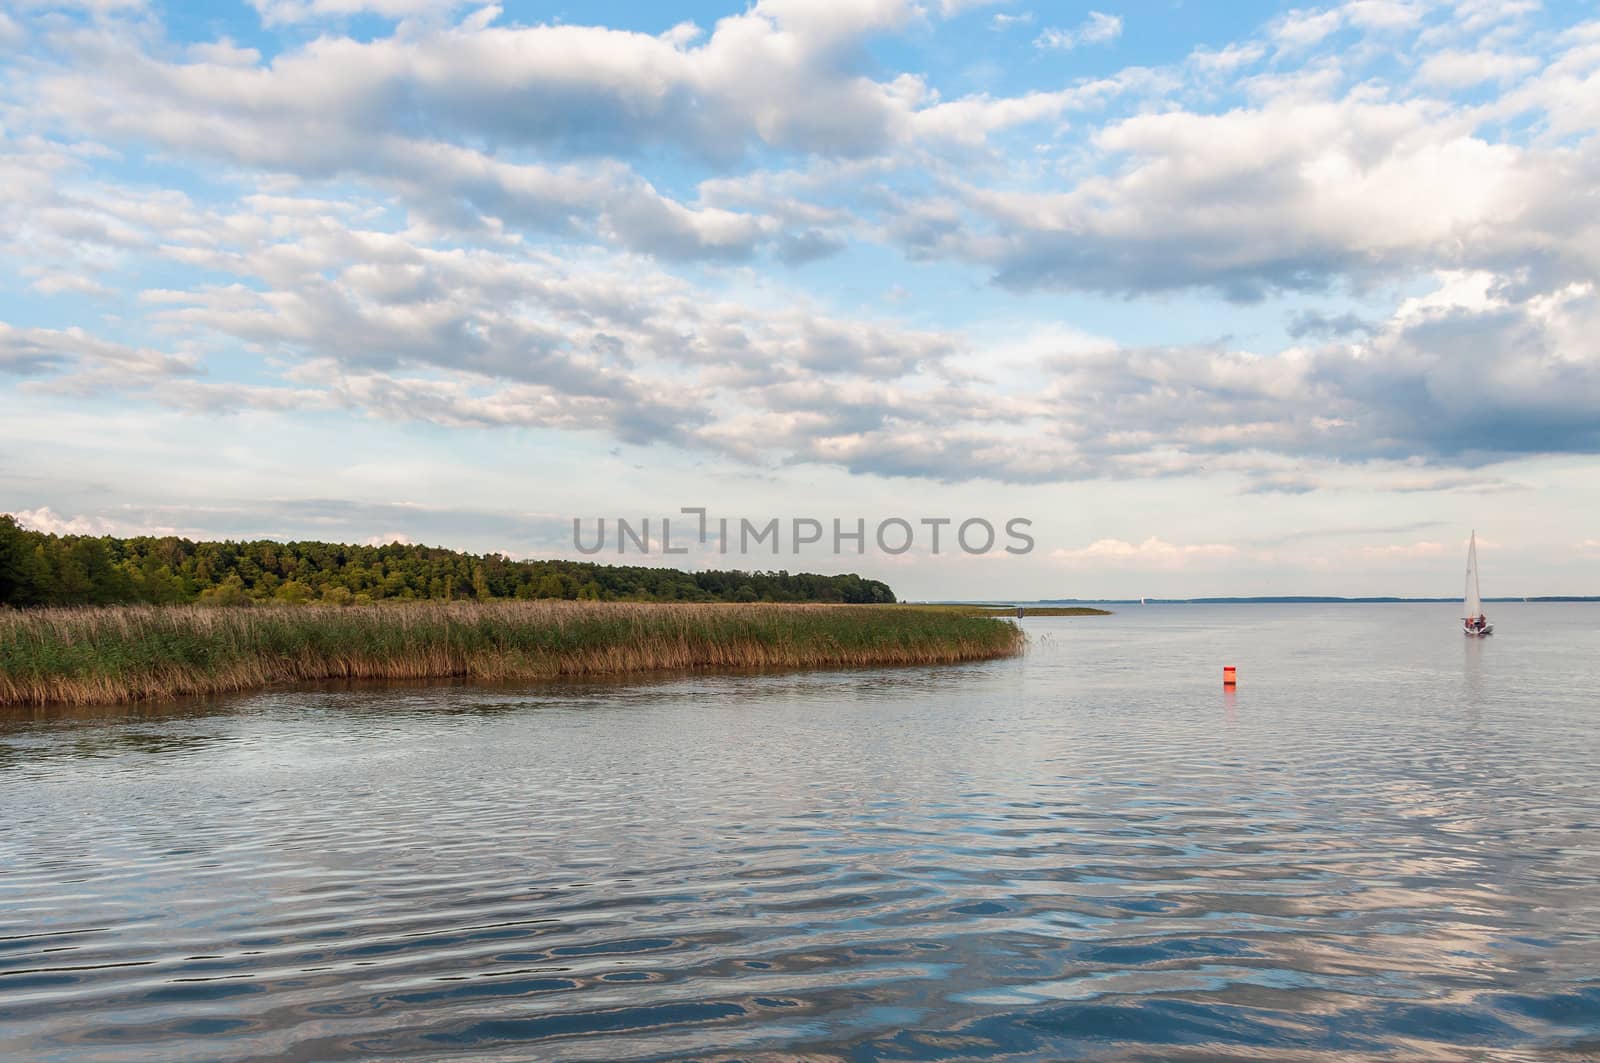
1385, 844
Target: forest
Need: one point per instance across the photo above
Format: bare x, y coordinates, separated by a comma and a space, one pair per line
41, 569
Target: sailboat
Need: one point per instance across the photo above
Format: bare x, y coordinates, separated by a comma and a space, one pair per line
1474, 625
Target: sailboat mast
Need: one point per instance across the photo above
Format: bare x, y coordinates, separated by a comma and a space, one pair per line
1471, 598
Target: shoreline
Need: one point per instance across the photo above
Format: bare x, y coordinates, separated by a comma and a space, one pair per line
127, 654
1004, 611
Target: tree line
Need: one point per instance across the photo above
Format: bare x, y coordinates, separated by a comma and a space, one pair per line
39, 568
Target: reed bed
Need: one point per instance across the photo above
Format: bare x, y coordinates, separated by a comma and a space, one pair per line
137, 653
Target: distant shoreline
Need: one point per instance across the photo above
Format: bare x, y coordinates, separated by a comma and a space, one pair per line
1264, 600
1001, 611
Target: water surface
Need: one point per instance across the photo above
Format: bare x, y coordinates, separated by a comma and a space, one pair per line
1385, 845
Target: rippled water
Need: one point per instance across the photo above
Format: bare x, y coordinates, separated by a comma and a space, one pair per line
1385, 845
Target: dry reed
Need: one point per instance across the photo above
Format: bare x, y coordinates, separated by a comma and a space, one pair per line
135, 653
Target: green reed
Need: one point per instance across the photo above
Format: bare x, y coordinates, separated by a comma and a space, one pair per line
132, 653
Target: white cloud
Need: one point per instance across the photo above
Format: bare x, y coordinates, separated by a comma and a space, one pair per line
1403, 551
1285, 196
1384, 14
44, 519
1342, 178
950, 8
84, 360
1152, 554
683, 34
279, 12
452, 224
1475, 15
410, 111
48, 281
95, 8
386, 323
223, 52
971, 120
1228, 59
1301, 28
1454, 70
1098, 28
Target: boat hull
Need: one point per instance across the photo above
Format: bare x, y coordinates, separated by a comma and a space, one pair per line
1485, 633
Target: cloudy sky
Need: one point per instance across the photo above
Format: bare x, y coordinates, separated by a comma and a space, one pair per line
1235, 298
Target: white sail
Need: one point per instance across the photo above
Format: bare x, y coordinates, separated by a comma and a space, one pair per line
1474, 603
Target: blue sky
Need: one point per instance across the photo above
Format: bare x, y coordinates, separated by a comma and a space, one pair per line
1225, 299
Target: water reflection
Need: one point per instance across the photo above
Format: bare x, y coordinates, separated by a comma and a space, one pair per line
1378, 848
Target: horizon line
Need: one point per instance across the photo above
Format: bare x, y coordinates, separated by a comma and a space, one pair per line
1261, 599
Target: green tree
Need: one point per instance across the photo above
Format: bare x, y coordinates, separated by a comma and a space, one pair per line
37, 568
229, 592
294, 592
16, 555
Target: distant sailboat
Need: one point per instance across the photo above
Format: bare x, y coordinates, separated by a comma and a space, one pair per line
1475, 624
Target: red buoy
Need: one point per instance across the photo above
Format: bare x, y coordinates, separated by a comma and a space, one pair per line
1229, 677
